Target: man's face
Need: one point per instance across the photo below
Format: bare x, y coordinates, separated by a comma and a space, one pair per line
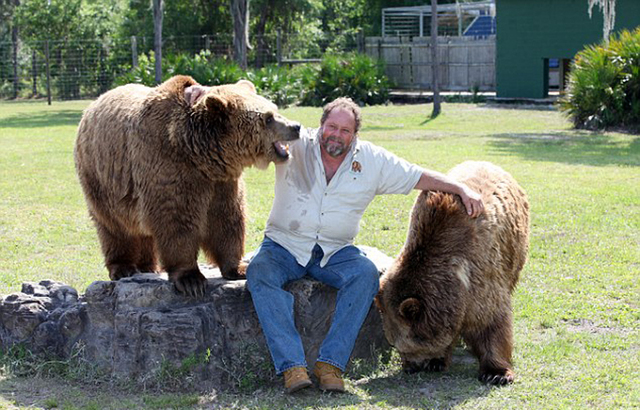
338, 132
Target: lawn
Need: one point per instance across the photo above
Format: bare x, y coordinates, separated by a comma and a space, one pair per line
577, 307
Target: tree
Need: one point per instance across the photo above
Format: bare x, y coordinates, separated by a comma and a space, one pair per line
158, 10
49, 20
240, 15
299, 18
434, 59
608, 8
14, 40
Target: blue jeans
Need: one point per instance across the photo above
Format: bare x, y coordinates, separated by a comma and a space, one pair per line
348, 270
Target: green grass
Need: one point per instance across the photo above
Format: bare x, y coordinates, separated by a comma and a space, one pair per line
577, 307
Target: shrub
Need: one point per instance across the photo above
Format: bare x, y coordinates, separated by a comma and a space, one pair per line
604, 84
351, 75
281, 85
143, 73
203, 67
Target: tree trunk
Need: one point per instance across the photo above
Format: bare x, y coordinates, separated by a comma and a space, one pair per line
16, 80
434, 59
259, 34
14, 39
158, 8
34, 72
240, 15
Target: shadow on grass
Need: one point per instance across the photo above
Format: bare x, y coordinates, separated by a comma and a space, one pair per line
425, 390
396, 389
570, 148
42, 119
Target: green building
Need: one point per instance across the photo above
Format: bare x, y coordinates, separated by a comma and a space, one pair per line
531, 33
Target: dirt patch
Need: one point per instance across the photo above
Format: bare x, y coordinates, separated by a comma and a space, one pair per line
589, 326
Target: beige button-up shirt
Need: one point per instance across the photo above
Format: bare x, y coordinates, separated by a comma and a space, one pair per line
306, 210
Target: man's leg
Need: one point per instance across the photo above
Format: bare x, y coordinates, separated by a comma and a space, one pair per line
357, 281
269, 270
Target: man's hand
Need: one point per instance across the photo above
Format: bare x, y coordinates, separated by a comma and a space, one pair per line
194, 93
435, 181
472, 202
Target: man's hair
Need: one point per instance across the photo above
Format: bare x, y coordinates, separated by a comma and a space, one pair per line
344, 103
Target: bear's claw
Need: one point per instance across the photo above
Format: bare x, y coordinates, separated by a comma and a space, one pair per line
435, 365
497, 379
117, 272
235, 273
190, 283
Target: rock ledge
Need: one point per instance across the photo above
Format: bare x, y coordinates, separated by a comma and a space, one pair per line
132, 328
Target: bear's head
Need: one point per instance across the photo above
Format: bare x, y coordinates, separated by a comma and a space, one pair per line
249, 124
423, 295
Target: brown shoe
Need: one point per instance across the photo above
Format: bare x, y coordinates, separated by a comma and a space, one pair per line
330, 377
295, 379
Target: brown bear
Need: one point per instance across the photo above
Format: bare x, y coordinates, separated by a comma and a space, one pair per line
162, 178
455, 276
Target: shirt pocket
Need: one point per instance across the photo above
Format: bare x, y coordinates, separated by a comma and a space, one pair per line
355, 193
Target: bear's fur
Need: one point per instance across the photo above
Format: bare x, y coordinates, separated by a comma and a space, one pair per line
456, 274
162, 178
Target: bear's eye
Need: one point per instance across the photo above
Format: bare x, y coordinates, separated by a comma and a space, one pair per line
269, 119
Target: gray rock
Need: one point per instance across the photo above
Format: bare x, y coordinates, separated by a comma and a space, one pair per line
140, 329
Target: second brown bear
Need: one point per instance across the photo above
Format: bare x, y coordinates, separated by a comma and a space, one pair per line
455, 276
162, 178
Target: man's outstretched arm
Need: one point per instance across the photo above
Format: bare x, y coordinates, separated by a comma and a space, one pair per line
435, 181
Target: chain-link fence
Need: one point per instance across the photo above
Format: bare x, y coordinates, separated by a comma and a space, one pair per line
71, 69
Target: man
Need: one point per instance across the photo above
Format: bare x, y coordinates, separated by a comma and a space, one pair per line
320, 196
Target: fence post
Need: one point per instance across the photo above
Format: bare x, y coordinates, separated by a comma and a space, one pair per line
279, 47
16, 80
46, 59
361, 47
34, 71
134, 51
207, 42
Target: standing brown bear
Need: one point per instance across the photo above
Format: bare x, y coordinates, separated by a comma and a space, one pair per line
455, 276
162, 178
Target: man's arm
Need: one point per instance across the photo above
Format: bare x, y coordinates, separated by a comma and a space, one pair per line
435, 181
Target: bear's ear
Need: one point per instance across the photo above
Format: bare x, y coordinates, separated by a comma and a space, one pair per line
410, 309
248, 85
378, 301
217, 104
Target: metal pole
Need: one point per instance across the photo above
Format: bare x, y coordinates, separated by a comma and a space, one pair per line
16, 80
46, 58
34, 71
459, 15
434, 58
134, 51
279, 47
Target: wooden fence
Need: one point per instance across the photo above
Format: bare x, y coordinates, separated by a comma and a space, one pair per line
465, 63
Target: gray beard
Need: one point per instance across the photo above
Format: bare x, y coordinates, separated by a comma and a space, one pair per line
334, 151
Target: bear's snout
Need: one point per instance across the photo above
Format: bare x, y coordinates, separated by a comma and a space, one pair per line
294, 131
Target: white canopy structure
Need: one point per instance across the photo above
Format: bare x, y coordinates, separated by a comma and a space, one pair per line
464, 18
